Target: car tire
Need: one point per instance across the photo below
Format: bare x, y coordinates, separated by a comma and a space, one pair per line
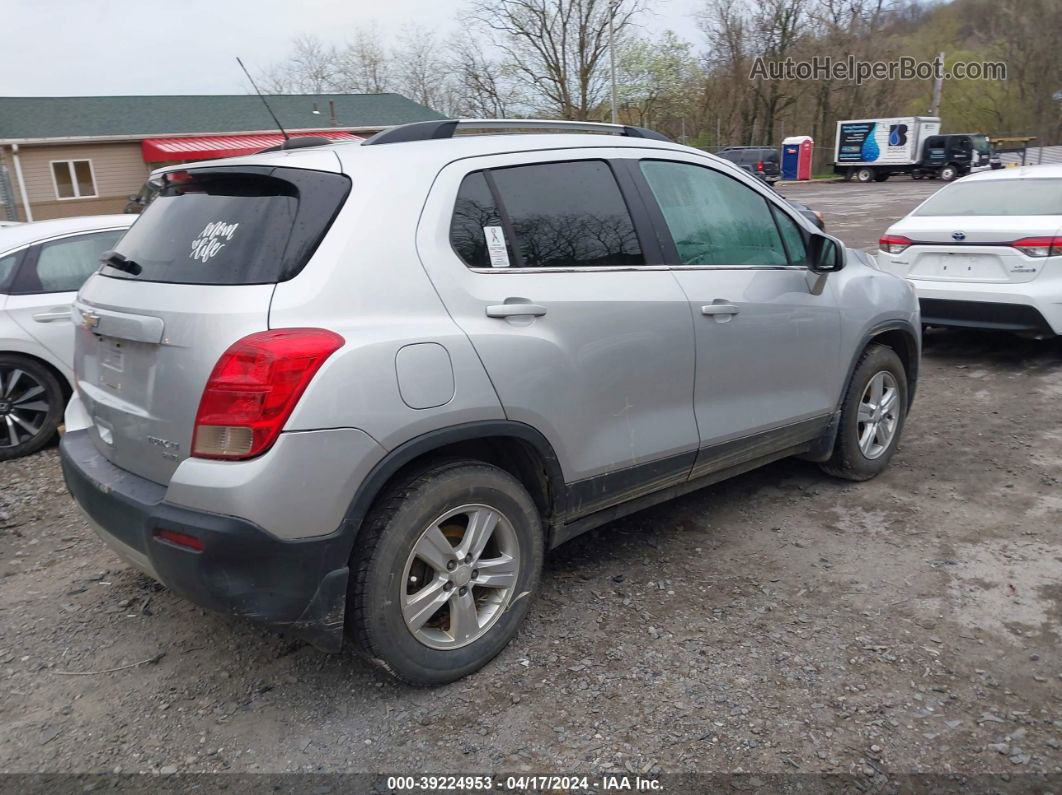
917, 175
864, 175
866, 436
948, 173
416, 632
32, 402
881, 177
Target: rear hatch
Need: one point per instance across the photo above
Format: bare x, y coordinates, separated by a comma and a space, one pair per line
207, 254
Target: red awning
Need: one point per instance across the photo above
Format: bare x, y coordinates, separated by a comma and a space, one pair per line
166, 150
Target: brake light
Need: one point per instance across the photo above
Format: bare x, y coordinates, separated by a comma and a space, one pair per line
1039, 246
254, 387
894, 244
759, 165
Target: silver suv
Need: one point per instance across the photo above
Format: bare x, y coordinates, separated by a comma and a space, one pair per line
370, 384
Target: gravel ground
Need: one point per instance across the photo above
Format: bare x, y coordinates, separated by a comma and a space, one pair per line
779, 622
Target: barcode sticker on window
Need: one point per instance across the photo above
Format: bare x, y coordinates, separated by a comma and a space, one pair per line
496, 248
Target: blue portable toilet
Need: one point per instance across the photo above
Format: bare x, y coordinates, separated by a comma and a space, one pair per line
796, 157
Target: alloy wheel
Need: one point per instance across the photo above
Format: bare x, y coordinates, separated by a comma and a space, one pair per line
23, 406
879, 412
460, 576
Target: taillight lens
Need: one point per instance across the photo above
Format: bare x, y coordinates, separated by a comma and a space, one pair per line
759, 165
1039, 246
894, 244
254, 387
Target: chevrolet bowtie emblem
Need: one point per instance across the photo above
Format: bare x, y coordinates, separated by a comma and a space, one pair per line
89, 320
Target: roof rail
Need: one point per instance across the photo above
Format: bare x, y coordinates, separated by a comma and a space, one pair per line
448, 128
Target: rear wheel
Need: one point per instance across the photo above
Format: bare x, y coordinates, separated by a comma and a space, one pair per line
872, 416
881, 176
917, 175
31, 406
443, 571
864, 174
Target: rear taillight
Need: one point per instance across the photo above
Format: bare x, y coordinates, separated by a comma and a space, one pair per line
759, 165
254, 387
1039, 246
894, 244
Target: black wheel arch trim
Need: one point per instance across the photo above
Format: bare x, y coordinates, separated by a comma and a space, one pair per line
427, 443
913, 355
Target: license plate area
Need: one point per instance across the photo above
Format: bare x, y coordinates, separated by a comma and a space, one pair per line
959, 267
112, 357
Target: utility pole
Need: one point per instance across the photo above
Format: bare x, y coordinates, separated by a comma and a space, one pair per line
938, 85
612, 58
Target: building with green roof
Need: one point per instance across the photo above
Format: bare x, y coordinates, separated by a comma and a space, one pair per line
65, 156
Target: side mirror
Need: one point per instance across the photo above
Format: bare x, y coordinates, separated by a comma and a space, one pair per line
824, 254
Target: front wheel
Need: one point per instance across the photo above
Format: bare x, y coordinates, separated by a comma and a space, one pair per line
948, 173
443, 571
31, 406
872, 416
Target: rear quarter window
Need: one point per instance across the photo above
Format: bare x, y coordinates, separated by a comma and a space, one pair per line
233, 227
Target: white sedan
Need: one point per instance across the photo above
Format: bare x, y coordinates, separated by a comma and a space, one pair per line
986, 251
42, 266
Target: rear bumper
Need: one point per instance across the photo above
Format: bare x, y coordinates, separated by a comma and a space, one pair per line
242, 570
984, 314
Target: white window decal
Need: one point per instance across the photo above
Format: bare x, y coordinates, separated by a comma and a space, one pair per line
499, 254
209, 242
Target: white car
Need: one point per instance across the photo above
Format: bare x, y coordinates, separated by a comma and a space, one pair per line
42, 266
986, 251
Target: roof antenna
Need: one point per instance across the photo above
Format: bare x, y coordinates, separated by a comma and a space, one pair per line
257, 91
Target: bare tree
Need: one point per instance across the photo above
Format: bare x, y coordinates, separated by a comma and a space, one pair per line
310, 69
484, 88
364, 66
556, 48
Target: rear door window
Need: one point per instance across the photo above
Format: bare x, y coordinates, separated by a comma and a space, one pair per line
8, 264
232, 227
545, 215
63, 265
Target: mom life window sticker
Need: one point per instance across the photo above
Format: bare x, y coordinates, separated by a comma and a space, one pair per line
211, 240
496, 248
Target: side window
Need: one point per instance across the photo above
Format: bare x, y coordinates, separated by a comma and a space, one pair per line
560, 215
713, 219
475, 217
7, 268
792, 237
64, 265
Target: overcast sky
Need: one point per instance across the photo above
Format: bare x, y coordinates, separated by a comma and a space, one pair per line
99, 47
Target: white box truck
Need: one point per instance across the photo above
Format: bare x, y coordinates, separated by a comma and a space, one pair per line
874, 149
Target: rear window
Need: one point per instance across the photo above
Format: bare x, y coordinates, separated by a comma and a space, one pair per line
750, 155
226, 226
996, 197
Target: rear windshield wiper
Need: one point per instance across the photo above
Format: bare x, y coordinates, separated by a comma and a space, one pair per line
121, 262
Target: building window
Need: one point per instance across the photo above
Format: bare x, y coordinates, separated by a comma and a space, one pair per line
73, 179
